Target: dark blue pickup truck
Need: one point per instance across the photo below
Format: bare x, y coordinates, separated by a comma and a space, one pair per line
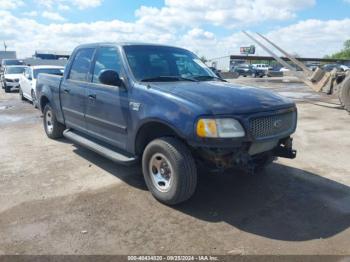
163, 106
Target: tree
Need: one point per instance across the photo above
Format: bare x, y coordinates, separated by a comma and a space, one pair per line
343, 54
347, 44
203, 59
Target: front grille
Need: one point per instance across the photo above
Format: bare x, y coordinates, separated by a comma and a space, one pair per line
274, 125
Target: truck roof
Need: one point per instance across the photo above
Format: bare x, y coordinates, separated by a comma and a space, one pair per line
46, 67
16, 66
123, 44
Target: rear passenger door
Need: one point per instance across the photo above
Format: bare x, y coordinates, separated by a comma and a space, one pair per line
74, 89
107, 106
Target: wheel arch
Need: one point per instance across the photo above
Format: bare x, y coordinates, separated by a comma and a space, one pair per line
44, 100
151, 130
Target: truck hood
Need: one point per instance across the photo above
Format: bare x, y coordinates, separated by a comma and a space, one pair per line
12, 76
225, 98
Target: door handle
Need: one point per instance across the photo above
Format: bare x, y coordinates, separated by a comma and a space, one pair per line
66, 90
92, 96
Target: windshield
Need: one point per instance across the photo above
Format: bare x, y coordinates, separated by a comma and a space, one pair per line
163, 63
15, 70
12, 62
52, 71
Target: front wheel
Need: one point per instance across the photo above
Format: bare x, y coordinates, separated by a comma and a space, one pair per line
53, 128
169, 170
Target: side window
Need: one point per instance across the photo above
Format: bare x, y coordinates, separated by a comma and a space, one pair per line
81, 65
27, 72
106, 58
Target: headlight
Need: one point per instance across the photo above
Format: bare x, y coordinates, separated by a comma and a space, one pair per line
8, 80
219, 128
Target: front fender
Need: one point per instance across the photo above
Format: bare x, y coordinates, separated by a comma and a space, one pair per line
166, 109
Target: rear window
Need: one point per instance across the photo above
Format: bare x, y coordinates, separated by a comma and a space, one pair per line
52, 71
15, 70
81, 65
12, 62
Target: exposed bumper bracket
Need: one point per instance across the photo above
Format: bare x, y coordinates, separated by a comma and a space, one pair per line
285, 149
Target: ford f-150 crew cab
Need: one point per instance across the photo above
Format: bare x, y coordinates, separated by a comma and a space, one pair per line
163, 106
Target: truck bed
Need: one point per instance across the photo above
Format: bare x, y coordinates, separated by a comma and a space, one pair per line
49, 86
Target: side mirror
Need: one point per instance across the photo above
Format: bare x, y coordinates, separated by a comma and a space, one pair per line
110, 77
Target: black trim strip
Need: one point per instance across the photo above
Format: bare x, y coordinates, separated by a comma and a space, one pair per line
72, 111
121, 128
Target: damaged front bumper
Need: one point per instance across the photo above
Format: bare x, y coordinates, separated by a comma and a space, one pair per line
247, 156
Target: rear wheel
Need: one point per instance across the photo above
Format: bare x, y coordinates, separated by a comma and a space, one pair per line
20, 92
169, 170
53, 128
34, 101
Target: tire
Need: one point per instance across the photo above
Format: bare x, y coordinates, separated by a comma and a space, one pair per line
34, 100
7, 89
20, 92
344, 94
172, 161
52, 127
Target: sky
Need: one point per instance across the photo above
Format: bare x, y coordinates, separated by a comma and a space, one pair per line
210, 28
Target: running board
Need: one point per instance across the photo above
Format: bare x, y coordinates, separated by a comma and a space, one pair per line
98, 148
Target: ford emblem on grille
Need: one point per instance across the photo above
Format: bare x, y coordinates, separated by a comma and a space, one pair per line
277, 123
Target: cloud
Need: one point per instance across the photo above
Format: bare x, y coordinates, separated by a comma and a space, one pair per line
308, 38
63, 7
10, 4
83, 4
30, 14
313, 37
227, 13
52, 16
68, 4
186, 29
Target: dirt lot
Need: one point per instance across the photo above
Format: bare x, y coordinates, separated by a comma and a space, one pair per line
58, 198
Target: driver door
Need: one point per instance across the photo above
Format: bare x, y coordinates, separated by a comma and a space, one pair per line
107, 107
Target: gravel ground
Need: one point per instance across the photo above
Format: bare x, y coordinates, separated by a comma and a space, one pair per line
59, 198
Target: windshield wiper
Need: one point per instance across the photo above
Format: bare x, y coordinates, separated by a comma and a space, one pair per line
167, 78
207, 77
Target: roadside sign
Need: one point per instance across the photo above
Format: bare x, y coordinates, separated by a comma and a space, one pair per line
247, 50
